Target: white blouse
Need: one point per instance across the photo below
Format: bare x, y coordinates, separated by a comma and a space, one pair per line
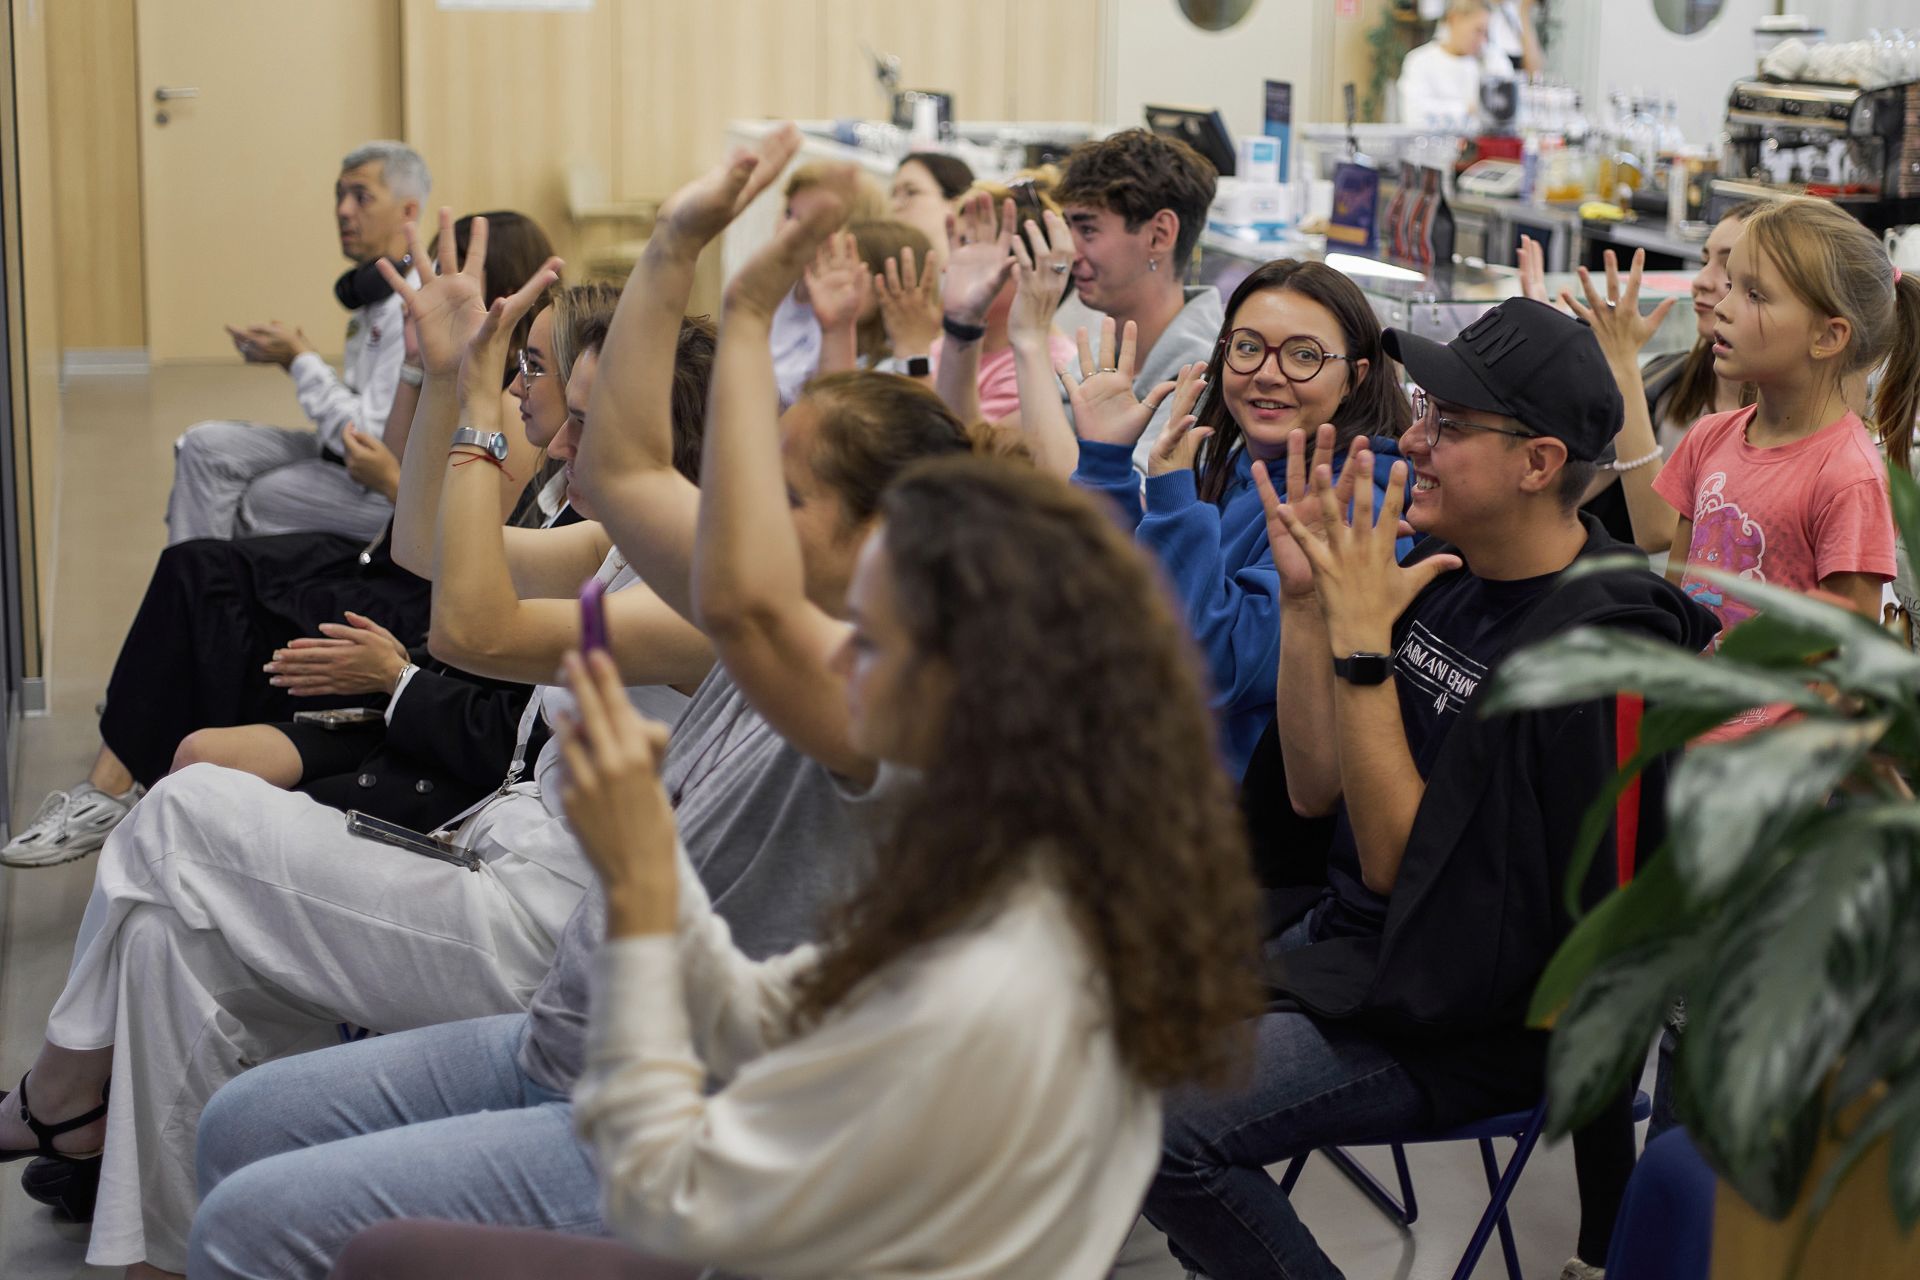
964, 1114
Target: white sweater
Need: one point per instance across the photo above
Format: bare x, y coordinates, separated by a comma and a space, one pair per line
966, 1114
363, 397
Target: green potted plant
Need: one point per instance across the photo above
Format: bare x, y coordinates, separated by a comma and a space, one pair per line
1784, 907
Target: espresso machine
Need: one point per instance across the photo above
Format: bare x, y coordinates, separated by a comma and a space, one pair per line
1857, 147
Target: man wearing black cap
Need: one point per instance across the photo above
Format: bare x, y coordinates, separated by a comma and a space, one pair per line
1401, 984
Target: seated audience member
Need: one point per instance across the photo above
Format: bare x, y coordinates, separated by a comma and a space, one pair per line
1440, 81
235, 478
217, 612
1031, 942
1400, 987
846, 302
796, 332
283, 924
773, 834
926, 192
1300, 346
1137, 203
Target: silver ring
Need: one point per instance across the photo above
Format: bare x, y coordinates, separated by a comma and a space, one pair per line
1113, 369
1612, 302
1061, 268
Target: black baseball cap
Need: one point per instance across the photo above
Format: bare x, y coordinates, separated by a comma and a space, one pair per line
1526, 360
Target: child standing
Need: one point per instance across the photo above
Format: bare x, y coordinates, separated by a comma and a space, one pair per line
1792, 490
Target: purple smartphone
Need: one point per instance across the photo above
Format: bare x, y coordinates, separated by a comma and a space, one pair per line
593, 616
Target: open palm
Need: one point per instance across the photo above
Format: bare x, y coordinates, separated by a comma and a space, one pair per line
979, 260
446, 308
1105, 409
702, 209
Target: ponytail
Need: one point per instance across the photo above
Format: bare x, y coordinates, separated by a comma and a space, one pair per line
1897, 403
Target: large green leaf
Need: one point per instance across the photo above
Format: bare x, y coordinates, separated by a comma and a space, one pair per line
1600, 1043
1887, 1045
1597, 662
1869, 660
1649, 906
1769, 640
1777, 1006
1729, 800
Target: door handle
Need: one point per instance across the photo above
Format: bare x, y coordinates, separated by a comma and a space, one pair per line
164, 94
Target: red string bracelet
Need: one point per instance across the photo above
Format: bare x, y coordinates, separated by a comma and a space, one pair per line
487, 457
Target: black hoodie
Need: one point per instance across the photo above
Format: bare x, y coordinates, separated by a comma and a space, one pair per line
1478, 907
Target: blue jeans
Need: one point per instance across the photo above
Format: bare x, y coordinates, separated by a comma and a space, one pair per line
1314, 1084
297, 1156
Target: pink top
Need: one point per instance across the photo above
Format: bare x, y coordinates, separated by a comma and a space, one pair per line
1790, 515
999, 387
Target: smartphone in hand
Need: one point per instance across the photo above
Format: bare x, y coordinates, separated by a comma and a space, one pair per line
593, 616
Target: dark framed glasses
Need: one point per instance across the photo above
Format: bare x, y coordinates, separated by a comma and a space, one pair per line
1426, 413
1301, 358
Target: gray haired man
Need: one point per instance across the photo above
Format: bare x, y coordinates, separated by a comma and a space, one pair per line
233, 479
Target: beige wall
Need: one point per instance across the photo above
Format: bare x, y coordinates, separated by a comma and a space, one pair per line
34, 306
96, 172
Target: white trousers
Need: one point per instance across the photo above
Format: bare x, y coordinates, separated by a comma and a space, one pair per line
242, 479
232, 923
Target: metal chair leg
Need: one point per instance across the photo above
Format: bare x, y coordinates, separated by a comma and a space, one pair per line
1496, 1214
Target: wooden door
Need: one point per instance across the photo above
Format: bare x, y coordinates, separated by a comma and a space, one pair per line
237, 179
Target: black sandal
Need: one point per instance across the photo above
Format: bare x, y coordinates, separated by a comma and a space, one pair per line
46, 1133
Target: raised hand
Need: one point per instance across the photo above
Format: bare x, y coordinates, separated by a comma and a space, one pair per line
910, 303
980, 243
1296, 571
1616, 318
837, 282
1104, 406
1041, 262
772, 272
492, 339
1361, 587
701, 210
614, 800
1533, 270
1179, 444
452, 298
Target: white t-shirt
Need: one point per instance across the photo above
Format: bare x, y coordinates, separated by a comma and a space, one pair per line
1438, 88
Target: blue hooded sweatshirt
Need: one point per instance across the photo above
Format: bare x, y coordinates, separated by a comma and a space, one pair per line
1222, 569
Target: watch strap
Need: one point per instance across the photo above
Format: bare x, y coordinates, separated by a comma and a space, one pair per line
1364, 668
491, 443
960, 331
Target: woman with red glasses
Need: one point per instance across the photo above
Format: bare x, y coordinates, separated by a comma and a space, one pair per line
1300, 347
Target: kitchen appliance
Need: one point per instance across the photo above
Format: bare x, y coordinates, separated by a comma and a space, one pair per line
1857, 147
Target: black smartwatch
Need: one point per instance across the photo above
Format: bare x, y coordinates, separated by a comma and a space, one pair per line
962, 332
917, 367
1364, 668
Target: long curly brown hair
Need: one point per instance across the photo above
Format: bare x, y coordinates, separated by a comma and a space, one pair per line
1078, 743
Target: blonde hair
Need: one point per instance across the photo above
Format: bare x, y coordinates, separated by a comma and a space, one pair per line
868, 204
581, 315
1838, 268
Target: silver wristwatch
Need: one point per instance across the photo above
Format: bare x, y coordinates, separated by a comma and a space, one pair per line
493, 442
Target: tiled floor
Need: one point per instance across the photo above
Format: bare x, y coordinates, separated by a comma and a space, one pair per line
115, 469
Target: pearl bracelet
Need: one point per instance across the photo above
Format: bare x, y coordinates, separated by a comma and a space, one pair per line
1657, 454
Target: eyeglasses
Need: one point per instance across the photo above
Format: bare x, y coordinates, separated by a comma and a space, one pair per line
1426, 412
1301, 358
529, 372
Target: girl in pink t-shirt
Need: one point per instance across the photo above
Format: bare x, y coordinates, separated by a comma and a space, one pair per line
1792, 490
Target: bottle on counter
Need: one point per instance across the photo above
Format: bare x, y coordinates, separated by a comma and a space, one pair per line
1530, 168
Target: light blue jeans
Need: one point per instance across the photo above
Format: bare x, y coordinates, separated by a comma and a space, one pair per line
297, 1156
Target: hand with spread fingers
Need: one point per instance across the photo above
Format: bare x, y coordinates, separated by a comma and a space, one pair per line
910, 303
1532, 261
1296, 571
778, 265
979, 257
698, 212
1361, 587
1104, 406
837, 282
359, 657
1179, 445
451, 299
1616, 318
614, 799
1041, 261
491, 341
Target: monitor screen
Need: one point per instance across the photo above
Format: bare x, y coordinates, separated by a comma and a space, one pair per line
1200, 128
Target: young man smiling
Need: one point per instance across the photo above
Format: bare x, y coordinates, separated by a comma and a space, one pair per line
1401, 983
237, 478
1136, 203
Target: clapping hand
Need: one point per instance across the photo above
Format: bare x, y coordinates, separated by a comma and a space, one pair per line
1361, 587
979, 257
701, 210
614, 799
837, 282
359, 657
1616, 319
269, 343
1040, 264
909, 303
1104, 406
1179, 444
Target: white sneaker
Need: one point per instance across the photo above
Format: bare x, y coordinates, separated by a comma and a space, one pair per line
1578, 1270
70, 824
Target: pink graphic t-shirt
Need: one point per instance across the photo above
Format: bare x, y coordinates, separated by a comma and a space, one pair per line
1789, 515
